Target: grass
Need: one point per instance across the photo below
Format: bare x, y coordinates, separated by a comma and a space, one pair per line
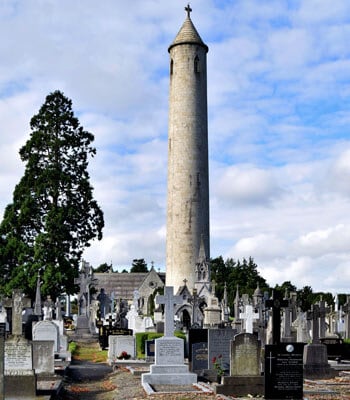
89, 352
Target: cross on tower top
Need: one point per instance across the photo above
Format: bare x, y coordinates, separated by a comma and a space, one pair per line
189, 10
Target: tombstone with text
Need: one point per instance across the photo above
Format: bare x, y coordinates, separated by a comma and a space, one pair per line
284, 371
19, 377
245, 368
169, 367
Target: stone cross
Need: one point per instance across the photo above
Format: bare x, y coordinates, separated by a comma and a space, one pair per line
169, 300
249, 316
276, 306
314, 315
17, 304
84, 281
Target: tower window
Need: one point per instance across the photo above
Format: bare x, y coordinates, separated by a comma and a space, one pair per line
196, 65
171, 66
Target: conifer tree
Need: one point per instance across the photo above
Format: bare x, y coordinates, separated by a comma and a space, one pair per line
53, 215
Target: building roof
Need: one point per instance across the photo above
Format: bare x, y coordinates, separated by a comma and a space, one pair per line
188, 35
122, 284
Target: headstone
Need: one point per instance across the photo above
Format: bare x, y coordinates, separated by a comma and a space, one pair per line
2, 356
248, 317
245, 355
19, 375
303, 328
196, 336
169, 300
169, 367
47, 330
245, 368
120, 347
284, 371
104, 303
276, 306
199, 357
43, 357
150, 348
219, 344
17, 304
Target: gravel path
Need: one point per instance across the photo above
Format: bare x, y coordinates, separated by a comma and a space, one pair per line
96, 381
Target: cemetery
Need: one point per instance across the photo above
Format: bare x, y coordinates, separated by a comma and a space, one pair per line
171, 334
263, 351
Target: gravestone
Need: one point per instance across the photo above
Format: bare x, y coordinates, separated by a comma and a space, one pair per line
47, 330
245, 368
276, 305
219, 344
199, 357
196, 336
17, 304
245, 355
84, 281
19, 377
2, 356
44, 357
284, 371
117, 345
20, 381
315, 354
150, 348
169, 367
248, 317
302, 328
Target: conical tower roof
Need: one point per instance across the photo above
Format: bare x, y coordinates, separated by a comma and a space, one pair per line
188, 33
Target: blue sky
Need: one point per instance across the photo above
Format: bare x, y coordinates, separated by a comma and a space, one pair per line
278, 99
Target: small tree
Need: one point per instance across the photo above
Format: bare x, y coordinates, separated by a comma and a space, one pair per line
53, 216
139, 265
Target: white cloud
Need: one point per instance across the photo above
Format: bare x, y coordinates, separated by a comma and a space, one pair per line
278, 85
246, 186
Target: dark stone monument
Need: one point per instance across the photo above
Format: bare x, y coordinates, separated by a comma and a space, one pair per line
199, 357
315, 354
245, 368
284, 371
150, 349
276, 305
196, 336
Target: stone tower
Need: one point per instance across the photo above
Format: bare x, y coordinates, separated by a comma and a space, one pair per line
187, 240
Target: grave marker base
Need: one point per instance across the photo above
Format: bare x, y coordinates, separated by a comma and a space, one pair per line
241, 386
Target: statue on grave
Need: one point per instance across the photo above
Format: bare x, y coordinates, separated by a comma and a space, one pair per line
104, 302
48, 308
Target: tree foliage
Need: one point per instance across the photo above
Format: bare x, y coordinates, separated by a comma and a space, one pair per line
139, 265
53, 215
104, 268
243, 274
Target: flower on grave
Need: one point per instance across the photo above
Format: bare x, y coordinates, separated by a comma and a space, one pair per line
217, 363
124, 356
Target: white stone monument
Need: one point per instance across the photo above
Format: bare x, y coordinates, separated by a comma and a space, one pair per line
248, 317
169, 367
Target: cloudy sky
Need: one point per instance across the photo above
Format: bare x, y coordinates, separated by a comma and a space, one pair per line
279, 120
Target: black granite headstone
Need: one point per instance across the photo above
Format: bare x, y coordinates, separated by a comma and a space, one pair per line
199, 356
196, 336
150, 348
284, 371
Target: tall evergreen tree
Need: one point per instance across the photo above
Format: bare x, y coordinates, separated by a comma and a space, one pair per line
53, 216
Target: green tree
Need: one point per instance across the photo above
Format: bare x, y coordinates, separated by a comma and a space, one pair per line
286, 287
104, 268
139, 265
53, 216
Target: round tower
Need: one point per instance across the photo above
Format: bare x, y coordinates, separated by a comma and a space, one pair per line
188, 181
